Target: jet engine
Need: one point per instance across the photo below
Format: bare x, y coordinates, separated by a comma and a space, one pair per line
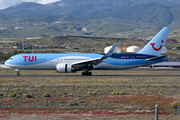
64, 68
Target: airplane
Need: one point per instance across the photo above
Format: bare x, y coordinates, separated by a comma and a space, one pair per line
71, 63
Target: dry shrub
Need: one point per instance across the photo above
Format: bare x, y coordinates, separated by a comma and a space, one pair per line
12, 95
27, 95
46, 95
175, 104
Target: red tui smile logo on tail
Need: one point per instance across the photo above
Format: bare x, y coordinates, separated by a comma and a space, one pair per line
157, 49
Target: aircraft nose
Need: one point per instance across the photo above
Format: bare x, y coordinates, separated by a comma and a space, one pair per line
5, 62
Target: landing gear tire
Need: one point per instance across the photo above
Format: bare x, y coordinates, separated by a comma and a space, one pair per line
90, 73
86, 74
83, 73
18, 74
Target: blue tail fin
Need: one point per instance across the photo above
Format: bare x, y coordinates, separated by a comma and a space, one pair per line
155, 46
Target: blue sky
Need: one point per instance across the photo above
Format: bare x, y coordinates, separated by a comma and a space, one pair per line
7, 3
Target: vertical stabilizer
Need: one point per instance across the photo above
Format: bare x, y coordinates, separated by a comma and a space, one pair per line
155, 46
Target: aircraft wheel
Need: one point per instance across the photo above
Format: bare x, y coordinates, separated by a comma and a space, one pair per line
83, 74
86, 74
89, 73
18, 74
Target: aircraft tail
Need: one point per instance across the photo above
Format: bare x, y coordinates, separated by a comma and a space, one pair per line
156, 45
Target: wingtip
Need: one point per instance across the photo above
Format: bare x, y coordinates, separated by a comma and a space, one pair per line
114, 45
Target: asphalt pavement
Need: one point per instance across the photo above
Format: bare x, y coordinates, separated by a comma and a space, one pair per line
73, 76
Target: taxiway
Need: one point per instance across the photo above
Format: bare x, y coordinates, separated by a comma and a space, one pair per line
34, 76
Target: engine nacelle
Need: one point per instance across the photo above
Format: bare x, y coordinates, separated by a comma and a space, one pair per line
64, 68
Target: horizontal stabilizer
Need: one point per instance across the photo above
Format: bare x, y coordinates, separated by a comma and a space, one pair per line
155, 58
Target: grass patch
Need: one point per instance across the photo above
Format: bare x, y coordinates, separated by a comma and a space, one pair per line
45, 95
71, 95
118, 93
73, 104
1, 95
16, 89
89, 93
175, 104
12, 95
27, 95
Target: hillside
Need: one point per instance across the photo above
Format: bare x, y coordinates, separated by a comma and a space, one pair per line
25, 8
146, 13
84, 17
80, 7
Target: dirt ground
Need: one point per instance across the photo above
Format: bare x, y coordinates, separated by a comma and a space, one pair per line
130, 98
87, 117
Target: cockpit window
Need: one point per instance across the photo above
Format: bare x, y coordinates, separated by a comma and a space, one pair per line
10, 58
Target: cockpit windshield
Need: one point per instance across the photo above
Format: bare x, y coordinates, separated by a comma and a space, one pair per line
10, 58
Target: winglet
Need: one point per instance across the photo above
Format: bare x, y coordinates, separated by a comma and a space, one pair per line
109, 53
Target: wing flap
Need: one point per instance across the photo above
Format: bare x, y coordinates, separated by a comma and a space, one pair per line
86, 62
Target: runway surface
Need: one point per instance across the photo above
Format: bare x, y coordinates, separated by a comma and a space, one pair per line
34, 76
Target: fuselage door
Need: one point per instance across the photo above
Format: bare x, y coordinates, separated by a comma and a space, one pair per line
133, 59
51, 59
20, 60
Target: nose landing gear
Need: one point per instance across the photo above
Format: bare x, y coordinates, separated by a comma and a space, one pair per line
17, 70
18, 74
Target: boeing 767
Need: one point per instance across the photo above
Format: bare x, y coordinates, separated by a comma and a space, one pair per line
70, 63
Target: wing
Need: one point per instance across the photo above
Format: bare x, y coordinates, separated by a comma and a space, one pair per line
95, 61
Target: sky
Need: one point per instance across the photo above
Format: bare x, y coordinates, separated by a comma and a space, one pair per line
7, 3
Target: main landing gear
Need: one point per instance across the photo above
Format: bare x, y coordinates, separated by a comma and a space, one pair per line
17, 70
86, 73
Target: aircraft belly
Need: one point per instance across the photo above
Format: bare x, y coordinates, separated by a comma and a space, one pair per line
35, 67
105, 66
